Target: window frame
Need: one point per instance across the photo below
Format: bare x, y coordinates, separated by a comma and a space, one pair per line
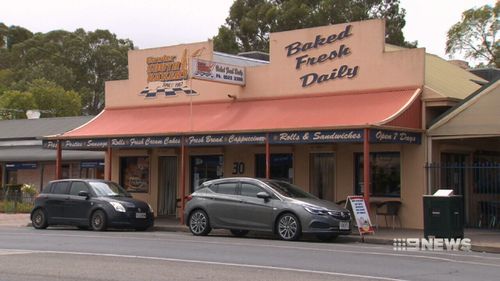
358, 172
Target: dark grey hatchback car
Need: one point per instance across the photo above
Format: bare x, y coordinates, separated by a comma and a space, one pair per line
95, 204
243, 204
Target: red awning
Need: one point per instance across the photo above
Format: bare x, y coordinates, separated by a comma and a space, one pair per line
323, 112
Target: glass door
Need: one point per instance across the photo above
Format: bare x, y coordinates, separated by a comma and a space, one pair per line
204, 168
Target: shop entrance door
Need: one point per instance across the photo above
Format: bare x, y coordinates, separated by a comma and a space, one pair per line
167, 185
322, 175
205, 168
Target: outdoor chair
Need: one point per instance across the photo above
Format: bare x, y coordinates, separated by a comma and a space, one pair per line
388, 208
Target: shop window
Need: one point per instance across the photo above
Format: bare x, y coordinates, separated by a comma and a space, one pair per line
385, 168
92, 170
92, 173
134, 173
11, 176
322, 175
281, 166
205, 168
65, 169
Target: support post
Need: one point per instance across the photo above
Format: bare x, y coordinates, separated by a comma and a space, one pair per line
268, 158
183, 178
110, 161
366, 168
58, 160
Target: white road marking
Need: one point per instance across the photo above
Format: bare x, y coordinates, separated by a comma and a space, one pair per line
421, 255
210, 263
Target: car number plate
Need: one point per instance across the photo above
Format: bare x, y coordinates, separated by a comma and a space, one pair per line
344, 225
140, 215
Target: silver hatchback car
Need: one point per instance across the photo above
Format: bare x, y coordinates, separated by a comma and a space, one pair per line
244, 204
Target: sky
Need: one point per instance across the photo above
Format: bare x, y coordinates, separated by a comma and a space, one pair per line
157, 23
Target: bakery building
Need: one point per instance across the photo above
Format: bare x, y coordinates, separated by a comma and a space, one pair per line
328, 100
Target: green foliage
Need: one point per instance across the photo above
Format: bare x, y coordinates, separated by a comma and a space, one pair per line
15, 207
475, 35
52, 98
43, 95
17, 102
250, 21
78, 63
28, 189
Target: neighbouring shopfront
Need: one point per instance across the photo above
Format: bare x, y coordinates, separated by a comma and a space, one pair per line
24, 161
465, 145
329, 100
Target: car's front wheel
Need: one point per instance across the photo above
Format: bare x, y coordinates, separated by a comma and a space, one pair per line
288, 227
98, 221
39, 219
199, 223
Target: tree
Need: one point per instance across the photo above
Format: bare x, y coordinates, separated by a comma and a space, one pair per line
14, 104
43, 95
250, 21
13, 35
79, 61
476, 35
50, 97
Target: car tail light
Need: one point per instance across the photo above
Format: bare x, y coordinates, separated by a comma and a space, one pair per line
188, 198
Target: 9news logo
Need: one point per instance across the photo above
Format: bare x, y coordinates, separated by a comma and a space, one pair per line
431, 244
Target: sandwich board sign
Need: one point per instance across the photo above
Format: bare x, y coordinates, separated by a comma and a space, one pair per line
358, 207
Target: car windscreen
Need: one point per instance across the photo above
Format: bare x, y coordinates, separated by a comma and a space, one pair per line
108, 189
288, 190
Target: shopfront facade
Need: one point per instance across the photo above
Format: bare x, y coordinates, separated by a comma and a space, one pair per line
330, 99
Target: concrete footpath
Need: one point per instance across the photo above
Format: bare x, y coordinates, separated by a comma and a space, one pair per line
483, 240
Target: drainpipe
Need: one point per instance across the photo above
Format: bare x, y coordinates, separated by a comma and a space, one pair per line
366, 167
268, 157
429, 165
110, 160
58, 160
183, 178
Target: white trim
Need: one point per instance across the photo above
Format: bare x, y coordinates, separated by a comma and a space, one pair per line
17, 143
240, 58
463, 107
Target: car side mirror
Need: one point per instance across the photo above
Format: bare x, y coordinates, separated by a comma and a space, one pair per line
84, 194
263, 195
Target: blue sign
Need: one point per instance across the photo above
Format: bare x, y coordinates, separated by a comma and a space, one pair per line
21, 166
166, 141
335, 136
86, 144
208, 140
388, 136
91, 164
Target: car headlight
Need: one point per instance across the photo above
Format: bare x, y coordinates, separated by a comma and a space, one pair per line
150, 208
118, 207
315, 211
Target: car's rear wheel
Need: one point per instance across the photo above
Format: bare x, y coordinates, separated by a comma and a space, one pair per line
39, 219
288, 227
98, 221
239, 232
199, 223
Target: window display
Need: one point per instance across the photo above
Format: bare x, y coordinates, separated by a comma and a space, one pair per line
134, 173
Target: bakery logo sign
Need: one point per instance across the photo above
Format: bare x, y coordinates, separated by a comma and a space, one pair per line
339, 51
219, 72
167, 76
